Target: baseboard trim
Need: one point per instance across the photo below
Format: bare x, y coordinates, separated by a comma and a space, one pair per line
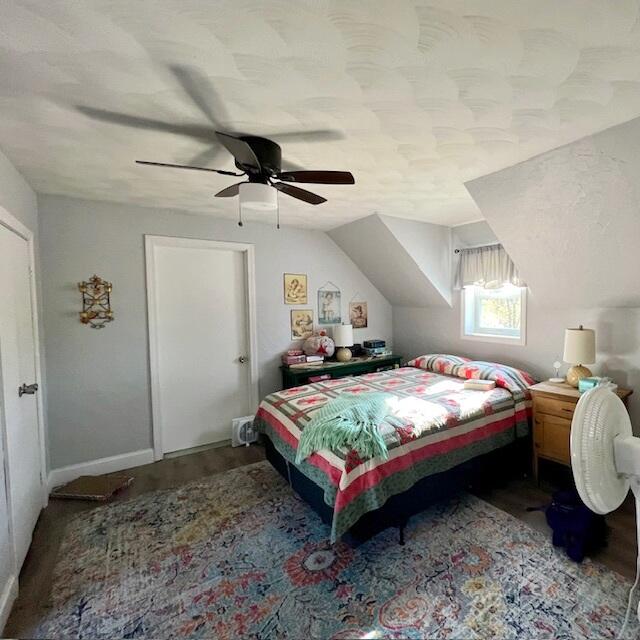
9, 594
99, 466
198, 449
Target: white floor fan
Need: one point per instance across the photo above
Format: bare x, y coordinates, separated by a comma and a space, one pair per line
605, 457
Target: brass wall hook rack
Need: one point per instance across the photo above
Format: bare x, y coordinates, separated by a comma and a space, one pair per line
96, 302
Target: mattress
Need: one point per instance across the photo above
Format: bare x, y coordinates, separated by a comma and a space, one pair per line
438, 425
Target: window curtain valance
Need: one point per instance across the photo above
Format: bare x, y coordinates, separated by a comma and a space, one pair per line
489, 267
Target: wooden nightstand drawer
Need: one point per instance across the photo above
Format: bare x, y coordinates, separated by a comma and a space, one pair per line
552, 438
554, 407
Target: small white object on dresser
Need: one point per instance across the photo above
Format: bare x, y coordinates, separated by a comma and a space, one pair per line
557, 378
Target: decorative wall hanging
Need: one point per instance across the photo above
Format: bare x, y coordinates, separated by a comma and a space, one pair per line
96, 302
301, 323
358, 315
295, 288
329, 304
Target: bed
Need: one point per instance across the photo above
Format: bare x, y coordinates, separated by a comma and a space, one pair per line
439, 428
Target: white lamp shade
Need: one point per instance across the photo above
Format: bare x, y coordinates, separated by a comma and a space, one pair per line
343, 335
579, 346
258, 196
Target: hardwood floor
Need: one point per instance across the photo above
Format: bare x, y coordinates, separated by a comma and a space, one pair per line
36, 575
620, 552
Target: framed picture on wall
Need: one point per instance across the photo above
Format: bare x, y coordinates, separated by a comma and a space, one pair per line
358, 315
301, 323
329, 305
295, 288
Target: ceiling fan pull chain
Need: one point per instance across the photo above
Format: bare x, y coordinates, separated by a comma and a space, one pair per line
278, 218
240, 215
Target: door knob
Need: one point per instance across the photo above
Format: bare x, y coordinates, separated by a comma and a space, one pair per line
29, 389
243, 359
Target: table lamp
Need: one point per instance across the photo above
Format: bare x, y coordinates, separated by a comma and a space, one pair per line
579, 347
343, 338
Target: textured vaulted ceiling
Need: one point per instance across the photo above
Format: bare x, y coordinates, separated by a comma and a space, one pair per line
427, 95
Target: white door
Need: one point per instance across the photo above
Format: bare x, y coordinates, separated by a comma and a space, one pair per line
17, 367
199, 333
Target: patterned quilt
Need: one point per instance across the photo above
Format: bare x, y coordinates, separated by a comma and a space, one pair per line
436, 425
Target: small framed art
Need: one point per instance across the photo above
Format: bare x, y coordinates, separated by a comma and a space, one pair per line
301, 323
329, 305
295, 288
358, 315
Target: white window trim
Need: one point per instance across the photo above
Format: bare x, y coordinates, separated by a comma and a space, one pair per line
520, 341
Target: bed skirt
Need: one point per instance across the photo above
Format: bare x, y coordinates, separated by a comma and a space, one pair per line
484, 472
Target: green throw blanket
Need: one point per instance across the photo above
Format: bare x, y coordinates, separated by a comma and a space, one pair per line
350, 420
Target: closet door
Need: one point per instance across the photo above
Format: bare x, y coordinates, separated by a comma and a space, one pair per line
22, 446
199, 334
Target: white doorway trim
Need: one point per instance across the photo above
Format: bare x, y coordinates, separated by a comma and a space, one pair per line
248, 251
9, 591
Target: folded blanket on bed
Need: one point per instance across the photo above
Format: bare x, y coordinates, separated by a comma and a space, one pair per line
351, 421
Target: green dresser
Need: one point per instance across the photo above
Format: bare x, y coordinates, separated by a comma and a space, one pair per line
296, 376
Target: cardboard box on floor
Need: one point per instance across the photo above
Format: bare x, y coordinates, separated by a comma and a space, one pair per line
99, 488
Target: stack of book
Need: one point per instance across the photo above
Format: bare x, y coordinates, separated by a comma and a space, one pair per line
294, 358
376, 348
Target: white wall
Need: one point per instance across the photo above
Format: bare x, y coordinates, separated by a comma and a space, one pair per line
570, 220
408, 261
430, 247
472, 234
98, 395
17, 197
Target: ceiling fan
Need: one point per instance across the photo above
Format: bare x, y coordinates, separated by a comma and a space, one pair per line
258, 159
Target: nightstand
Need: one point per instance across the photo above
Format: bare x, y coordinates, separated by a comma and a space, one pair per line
553, 407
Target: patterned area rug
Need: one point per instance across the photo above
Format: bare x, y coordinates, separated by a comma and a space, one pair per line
240, 556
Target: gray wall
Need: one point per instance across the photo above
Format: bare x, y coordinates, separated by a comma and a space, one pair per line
408, 261
98, 393
437, 330
17, 197
430, 247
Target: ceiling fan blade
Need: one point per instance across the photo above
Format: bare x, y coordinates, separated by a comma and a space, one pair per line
300, 194
318, 177
199, 89
240, 150
126, 120
186, 166
229, 192
314, 135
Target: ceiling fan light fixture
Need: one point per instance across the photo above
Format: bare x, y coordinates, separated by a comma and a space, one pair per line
258, 197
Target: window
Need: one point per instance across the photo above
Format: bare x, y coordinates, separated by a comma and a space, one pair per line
494, 315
